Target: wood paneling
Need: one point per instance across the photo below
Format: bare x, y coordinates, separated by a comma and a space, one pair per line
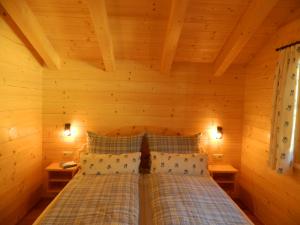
175, 23
274, 198
20, 127
253, 17
138, 28
135, 98
207, 26
99, 17
23, 17
281, 14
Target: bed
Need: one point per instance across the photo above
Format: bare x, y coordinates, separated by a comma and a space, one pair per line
105, 190
109, 190
95, 199
179, 190
187, 200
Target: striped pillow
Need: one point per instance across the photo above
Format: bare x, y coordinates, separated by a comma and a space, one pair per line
114, 145
174, 144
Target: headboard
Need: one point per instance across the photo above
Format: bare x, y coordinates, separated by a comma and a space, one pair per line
134, 130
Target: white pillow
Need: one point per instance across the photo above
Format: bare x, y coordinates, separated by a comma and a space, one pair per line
173, 163
98, 164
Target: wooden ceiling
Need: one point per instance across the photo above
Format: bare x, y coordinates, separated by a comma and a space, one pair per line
138, 28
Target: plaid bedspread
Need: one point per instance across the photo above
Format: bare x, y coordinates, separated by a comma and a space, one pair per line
94, 199
189, 200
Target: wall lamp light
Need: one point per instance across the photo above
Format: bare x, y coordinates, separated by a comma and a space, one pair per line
67, 131
219, 133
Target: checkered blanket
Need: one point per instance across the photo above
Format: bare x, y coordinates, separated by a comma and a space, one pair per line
188, 200
97, 199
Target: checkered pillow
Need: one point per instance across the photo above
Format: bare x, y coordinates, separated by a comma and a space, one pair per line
114, 145
174, 144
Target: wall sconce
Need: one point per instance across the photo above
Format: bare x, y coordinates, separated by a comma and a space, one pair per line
219, 133
67, 131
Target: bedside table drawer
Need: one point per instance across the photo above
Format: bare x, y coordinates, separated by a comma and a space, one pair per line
225, 176
56, 187
58, 178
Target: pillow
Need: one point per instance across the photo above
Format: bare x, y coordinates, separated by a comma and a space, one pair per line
114, 145
174, 144
173, 163
98, 164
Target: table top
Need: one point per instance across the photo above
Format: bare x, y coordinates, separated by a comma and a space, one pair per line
55, 166
224, 168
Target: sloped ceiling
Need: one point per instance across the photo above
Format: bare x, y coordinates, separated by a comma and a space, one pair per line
138, 28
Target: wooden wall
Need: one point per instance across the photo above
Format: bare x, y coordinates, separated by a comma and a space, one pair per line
274, 198
136, 98
20, 126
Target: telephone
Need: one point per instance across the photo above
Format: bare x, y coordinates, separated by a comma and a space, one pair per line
68, 164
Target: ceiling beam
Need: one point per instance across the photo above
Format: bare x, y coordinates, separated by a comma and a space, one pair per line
23, 17
100, 21
175, 24
246, 27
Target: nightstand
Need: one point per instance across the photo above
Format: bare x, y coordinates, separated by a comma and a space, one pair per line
57, 177
226, 177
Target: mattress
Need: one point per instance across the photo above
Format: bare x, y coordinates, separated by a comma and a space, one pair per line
187, 200
94, 199
151, 199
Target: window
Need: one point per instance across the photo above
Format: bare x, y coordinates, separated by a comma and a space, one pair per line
285, 143
297, 126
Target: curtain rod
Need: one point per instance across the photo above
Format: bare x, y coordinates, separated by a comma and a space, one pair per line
286, 46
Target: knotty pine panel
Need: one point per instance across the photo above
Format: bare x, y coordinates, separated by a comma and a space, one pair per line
20, 127
137, 98
274, 198
138, 28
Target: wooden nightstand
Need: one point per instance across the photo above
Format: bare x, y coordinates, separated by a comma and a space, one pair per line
226, 177
58, 177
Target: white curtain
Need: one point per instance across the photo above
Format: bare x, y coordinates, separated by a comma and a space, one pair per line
285, 106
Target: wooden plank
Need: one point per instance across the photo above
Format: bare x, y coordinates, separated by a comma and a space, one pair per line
24, 18
21, 127
246, 27
100, 21
138, 98
262, 189
175, 24
138, 28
